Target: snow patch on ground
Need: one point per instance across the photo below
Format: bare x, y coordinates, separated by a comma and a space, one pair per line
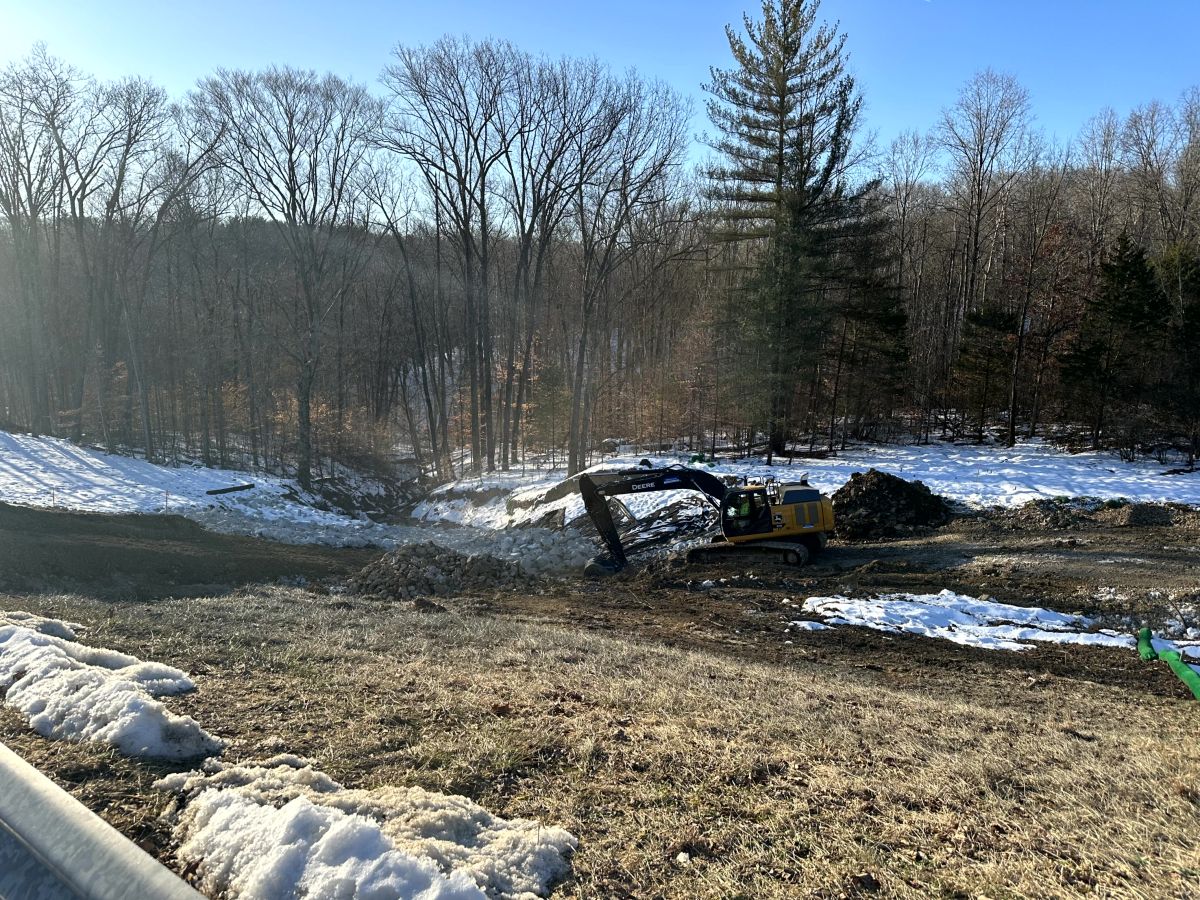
80, 693
288, 809
806, 625
964, 620
54, 627
976, 623
49, 472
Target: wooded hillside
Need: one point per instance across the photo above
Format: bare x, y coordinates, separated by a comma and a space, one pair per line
489, 254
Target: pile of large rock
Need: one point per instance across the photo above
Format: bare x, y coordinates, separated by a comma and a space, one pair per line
540, 551
875, 504
415, 571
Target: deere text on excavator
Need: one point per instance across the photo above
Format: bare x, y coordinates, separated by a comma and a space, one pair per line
790, 520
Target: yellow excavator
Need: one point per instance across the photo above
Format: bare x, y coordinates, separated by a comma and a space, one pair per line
792, 521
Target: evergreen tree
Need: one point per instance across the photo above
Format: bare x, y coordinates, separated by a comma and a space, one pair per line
1184, 394
870, 360
1120, 339
982, 362
1179, 272
786, 116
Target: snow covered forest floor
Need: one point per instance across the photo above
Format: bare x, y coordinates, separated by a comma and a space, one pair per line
975, 476
48, 472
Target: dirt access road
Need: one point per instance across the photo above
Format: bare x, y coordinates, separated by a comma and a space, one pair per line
137, 557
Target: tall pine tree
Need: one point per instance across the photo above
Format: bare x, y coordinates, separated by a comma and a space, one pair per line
785, 116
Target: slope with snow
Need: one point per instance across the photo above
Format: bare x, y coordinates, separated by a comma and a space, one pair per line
978, 476
48, 472
69, 690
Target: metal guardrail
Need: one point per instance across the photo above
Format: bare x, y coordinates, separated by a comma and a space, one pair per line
52, 846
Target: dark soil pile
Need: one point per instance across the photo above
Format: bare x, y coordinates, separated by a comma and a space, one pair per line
875, 505
427, 570
1081, 513
1137, 515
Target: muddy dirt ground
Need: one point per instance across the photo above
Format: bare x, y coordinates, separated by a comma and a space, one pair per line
571, 702
136, 557
1123, 574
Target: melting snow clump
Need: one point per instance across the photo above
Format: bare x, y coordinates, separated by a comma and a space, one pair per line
805, 625
282, 828
80, 693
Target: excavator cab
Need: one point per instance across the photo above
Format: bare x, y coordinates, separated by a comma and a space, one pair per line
745, 512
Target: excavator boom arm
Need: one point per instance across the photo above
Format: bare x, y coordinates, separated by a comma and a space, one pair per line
596, 489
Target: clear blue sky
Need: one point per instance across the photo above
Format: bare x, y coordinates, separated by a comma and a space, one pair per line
911, 56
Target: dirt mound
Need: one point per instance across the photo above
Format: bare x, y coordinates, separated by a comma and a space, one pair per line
1137, 515
1060, 513
426, 570
1081, 513
875, 504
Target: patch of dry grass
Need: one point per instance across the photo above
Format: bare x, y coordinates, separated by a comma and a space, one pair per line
684, 774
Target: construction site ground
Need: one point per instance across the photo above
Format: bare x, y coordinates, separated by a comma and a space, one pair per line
695, 745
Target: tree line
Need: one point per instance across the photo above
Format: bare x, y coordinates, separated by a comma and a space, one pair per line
491, 255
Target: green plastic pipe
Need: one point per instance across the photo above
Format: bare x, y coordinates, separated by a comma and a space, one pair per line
1186, 673
1145, 647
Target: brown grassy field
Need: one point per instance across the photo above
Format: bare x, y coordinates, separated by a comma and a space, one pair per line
686, 772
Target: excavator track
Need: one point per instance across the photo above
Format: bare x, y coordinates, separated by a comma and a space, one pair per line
788, 552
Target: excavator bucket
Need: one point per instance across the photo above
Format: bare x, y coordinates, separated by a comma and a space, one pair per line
597, 508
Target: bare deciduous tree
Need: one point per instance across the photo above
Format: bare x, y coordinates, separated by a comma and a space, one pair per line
985, 135
298, 145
